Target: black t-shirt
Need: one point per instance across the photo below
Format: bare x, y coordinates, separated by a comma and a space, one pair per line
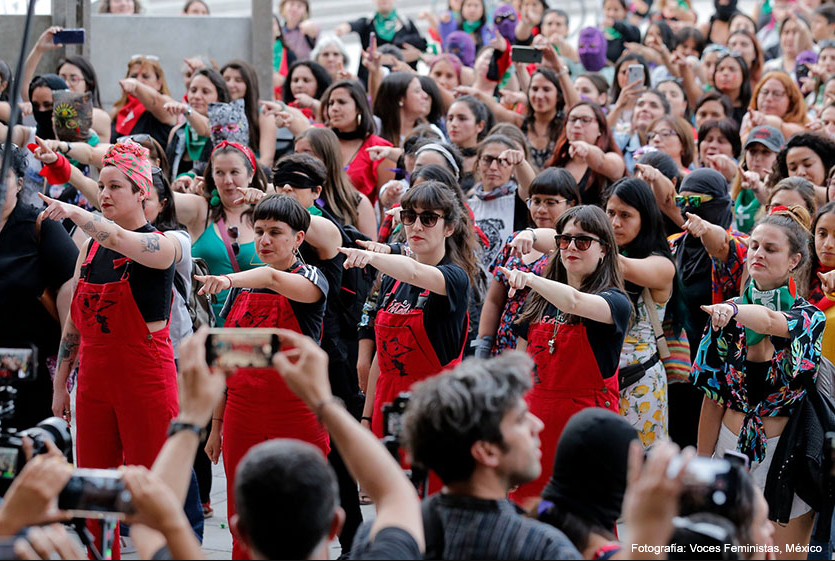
443, 316
606, 340
146, 124
27, 267
309, 316
389, 543
151, 288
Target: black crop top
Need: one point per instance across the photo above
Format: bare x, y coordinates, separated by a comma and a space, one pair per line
151, 288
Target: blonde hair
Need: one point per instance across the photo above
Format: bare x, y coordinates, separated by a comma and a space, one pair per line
796, 112
144, 62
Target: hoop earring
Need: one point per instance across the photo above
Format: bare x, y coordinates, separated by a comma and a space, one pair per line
359, 119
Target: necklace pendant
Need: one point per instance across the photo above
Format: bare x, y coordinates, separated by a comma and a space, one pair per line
551, 345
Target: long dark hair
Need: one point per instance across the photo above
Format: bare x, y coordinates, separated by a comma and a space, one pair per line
633, 58
323, 79
387, 104
650, 240
436, 110
250, 77
167, 217
357, 93
591, 219
558, 122
217, 81
88, 72
745, 88
820, 144
814, 262
460, 247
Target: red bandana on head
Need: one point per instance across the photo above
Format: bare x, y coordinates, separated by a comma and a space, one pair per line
240, 147
131, 159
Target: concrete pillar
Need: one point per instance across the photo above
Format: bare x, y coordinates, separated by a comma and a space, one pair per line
262, 46
72, 14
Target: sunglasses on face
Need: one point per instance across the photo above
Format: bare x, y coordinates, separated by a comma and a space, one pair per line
581, 242
228, 127
694, 201
233, 233
427, 218
140, 138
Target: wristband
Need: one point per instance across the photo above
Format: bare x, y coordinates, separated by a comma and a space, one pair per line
364, 418
533, 233
188, 110
176, 426
58, 172
733, 305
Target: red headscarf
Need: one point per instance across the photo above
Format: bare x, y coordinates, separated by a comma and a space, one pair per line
245, 149
131, 159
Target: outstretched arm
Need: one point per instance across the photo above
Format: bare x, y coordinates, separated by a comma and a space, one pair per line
293, 286
400, 267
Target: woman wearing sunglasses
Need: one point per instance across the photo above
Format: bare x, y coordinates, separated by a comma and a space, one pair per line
118, 329
218, 219
573, 326
285, 294
552, 193
421, 318
751, 362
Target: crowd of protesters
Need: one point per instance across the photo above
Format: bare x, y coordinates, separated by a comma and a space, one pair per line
579, 254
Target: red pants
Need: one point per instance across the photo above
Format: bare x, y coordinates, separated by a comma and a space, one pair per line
260, 407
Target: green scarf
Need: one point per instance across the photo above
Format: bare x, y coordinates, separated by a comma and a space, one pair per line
612, 33
386, 26
314, 210
470, 26
745, 209
778, 299
194, 143
278, 49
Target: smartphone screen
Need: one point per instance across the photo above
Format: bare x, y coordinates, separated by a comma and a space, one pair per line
69, 37
232, 348
8, 462
525, 54
636, 73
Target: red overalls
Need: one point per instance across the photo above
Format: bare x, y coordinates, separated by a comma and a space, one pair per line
565, 381
259, 405
405, 354
127, 381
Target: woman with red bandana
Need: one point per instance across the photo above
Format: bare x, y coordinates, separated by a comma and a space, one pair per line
118, 327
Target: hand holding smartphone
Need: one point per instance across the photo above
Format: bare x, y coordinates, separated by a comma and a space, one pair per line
69, 36
233, 348
636, 73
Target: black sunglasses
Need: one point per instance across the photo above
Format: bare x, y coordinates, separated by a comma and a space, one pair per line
233, 233
427, 218
140, 138
580, 242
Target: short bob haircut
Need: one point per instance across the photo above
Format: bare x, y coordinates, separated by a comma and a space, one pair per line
282, 208
729, 130
556, 182
684, 132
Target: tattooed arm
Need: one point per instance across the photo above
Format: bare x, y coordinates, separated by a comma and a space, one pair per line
67, 351
149, 249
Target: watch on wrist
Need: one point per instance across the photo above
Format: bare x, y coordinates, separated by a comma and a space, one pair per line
177, 426
188, 110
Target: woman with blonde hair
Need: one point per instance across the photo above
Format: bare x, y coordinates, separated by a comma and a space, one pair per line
776, 101
141, 109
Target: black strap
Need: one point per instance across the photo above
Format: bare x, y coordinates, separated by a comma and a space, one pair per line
180, 285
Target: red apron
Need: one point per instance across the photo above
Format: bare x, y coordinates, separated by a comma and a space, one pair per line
127, 381
565, 381
405, 354
259, 405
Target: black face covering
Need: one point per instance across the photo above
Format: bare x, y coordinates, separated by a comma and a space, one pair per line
44, 121
724, 12
589, 477
693, 260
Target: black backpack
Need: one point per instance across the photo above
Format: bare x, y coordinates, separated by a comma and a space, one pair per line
199, 306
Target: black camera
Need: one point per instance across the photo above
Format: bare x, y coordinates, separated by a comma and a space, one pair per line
12, 457
392, 427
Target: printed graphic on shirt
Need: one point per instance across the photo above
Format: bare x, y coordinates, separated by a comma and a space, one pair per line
395, 351
96, 306
494, 229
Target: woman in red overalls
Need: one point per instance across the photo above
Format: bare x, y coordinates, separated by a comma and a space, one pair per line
286, 294
118, 328
421, 320
573, 327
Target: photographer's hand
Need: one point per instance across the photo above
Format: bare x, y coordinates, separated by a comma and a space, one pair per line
46, 543
200, 387
32, 497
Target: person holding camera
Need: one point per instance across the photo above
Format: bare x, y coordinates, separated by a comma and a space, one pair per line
751, 363
421, 322
285, 294
118, 327
573, 326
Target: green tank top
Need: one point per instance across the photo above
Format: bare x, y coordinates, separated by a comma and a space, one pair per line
210, 247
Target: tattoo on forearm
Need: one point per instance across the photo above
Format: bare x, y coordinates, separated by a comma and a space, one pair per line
150, 243
68, 349
91, 230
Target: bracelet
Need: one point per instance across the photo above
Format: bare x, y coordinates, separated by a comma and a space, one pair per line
733, 305
364, 418
318, 407
188, 110
227, 277
533, 233
216, 419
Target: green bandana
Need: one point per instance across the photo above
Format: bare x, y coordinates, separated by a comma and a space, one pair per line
778, 299
612, 33
386, 26
745, 209
314, 211
194, 143
470, 26
278, 48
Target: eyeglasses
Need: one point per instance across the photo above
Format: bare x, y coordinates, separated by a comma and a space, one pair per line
694, 201
72, 78
499, 19
776, 94
228, 127
233, 233
583, 119
550, 203
427, 218
664, 133
580, 242
487, 161
139, 138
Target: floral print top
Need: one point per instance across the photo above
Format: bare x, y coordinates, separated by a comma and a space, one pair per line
719, 371
505, 337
